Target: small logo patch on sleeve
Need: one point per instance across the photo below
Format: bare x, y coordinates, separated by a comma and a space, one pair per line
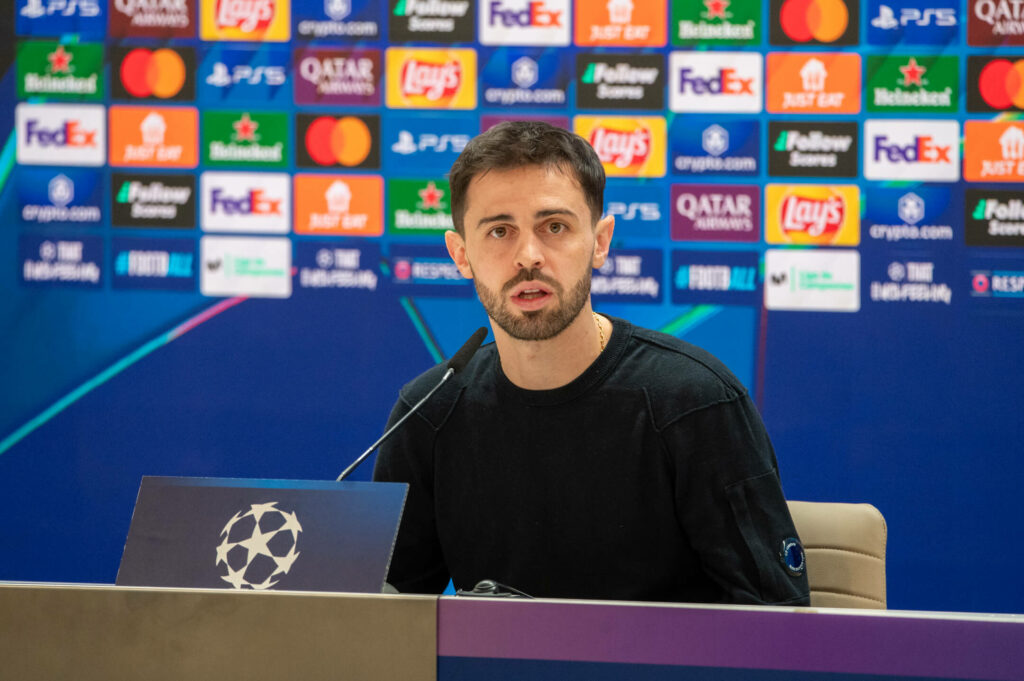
792, 557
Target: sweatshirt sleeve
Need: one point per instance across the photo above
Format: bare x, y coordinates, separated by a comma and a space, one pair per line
730, 504
417, 563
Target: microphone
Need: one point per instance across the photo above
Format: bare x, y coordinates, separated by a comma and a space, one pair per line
457, 363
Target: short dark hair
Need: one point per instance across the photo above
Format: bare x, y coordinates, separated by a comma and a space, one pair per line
513, 144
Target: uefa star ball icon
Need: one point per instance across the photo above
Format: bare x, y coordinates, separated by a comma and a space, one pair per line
258, 546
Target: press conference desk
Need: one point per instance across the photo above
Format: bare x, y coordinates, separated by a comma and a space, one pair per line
87, 632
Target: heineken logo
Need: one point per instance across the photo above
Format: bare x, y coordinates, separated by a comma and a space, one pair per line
911, 83
418, 207
716, 21
245, 138
62, 71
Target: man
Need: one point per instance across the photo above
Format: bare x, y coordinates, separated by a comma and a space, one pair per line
578, 456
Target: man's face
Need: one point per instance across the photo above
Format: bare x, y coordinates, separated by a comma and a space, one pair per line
530, 247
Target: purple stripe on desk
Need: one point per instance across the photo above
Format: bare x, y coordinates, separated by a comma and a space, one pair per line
761, 639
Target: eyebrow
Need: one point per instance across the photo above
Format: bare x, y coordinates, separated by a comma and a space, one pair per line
546, 213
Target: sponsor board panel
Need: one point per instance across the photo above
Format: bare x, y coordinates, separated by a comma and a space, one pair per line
153, 264
248, 20
994, 151
52, 18
147, 19
239, 75
435, 21
638, 207
922, 216
346, 19
351, 141
421, 270
995, 22
245, 138
715, 82
627, 147
621, 23
245, 266
139, 73
526, 76
338, 76
629, 276
427, 143
716, 22
147, 200
814, 22
339, 205
419, 207
524, 22
813, 149
715, 277
420, 78
910, 84
923, 150
72, 261
61, 134
919, 280
994, 217
995, 83
812, 214
992, 281
706, 145
488, 121
245, 202
57, 71
714, 212
913, 22
154, 136
813, 82
620, 81
65, 196
338, 266
812, 280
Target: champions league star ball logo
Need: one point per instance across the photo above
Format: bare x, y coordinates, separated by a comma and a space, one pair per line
258, 546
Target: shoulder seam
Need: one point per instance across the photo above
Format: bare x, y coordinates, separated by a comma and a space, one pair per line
445, 416
679, 417
652, 340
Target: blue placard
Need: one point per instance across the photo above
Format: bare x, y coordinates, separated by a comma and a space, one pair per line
921, 216
87, 18
234, 75
426, 143
338, 19
52, 260
524, 77
703, 145
913, 22
153, 264
338, 266
640, 208
426, 271
716, 277
629, 276
66, 196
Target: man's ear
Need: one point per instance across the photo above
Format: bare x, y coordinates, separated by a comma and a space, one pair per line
457, 250
603, 231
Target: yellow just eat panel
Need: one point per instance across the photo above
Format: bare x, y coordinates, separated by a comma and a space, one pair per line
250, 20
627, 146
812, 214
431, 79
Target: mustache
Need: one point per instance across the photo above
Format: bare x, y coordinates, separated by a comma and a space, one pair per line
532, 274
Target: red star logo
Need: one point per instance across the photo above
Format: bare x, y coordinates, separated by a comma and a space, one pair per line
912, 73
60, 61
245, 129
430, 196
716, 8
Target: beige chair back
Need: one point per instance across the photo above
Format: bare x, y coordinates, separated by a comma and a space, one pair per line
845, 547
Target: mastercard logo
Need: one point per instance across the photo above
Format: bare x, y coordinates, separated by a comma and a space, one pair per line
346, 141
157, 73
824, 21
1001, 84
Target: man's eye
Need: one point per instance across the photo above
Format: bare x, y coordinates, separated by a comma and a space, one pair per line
556, 227
499, 232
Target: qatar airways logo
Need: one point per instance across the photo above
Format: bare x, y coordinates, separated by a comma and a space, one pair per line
721, 82
245, 15
430, 80
622, 149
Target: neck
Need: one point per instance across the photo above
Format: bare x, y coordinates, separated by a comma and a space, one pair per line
552, 363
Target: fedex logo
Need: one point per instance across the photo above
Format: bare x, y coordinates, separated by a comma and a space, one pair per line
912, 150
727, 82
536, 13
246, 202
61, 134
524, 22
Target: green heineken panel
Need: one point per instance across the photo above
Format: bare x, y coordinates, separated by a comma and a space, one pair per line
716, 22
419, 207
913, 84
55, 71
245, 139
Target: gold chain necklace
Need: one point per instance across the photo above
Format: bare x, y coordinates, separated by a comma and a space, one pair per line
600, 329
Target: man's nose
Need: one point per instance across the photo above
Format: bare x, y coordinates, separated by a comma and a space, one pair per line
529, 251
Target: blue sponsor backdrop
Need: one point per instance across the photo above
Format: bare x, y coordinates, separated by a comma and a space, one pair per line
913, 407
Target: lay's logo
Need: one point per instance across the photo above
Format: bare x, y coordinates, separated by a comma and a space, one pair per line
632, 147
820, 215
431, 79
258, 20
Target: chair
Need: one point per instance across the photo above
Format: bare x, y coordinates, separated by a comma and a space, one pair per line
845, 549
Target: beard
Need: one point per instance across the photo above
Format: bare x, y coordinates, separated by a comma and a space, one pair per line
535, 325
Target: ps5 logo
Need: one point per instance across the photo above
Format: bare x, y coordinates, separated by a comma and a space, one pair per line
34, 9
912, 16
225, 76
647, 212
407, 143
